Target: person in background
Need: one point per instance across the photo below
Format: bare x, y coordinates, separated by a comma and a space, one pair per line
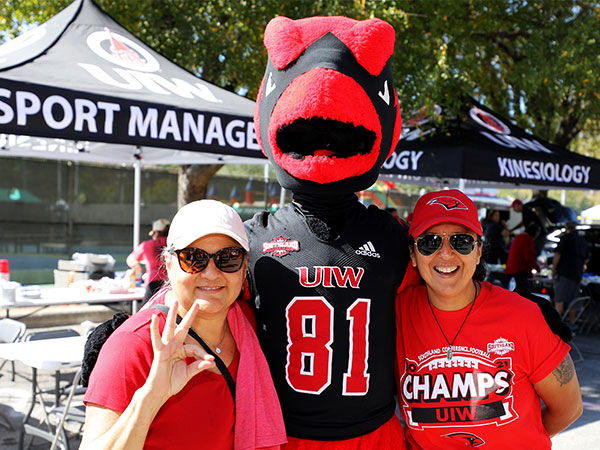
568, 265
521, 257
530, 215
495, 251
148, 253
154, 387
514, 224
487, 358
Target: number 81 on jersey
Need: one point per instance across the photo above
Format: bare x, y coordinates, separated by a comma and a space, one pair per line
310, 334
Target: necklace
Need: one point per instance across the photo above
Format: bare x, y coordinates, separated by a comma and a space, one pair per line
450, 343
217, 347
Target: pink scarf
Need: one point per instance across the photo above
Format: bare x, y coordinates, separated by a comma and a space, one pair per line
258, 423
258, 418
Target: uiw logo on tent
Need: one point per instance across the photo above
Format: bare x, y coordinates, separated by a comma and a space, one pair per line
502, 134
121, 51
137, 68
488, 121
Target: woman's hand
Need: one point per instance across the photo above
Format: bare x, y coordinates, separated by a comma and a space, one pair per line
170, 372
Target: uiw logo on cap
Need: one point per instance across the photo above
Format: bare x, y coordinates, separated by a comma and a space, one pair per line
449, 203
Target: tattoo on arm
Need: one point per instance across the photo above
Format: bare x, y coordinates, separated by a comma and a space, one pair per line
565, 371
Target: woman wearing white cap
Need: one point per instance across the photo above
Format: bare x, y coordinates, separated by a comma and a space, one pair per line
153, 386
149, 254
474, 360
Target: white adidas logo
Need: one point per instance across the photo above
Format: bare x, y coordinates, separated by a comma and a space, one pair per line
368, 250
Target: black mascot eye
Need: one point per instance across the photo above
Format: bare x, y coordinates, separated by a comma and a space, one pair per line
384, 93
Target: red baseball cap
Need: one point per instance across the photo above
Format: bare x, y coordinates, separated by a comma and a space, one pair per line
516, 202
444, 206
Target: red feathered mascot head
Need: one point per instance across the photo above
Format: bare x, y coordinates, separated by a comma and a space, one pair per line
327, 113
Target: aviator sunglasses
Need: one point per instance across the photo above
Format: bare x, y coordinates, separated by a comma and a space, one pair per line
194, 260
463, 243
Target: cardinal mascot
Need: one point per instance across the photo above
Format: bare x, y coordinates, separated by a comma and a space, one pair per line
324, 270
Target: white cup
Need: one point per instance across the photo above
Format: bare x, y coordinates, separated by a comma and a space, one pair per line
9, 291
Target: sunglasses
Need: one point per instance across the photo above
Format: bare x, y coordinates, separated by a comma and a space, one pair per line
195, 260
463, 243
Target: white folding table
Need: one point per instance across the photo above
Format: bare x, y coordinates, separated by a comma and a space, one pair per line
71, 296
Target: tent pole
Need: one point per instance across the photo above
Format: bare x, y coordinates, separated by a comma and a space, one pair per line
282, 197
266, 178
137, 181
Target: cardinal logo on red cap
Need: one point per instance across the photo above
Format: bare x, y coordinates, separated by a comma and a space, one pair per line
449, 203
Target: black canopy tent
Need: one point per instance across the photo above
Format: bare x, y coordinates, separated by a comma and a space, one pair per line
479, 148
81, 87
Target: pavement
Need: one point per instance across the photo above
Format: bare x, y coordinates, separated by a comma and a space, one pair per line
15, 396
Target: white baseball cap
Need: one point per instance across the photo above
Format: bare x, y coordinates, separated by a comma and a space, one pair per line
203, 217
159, 225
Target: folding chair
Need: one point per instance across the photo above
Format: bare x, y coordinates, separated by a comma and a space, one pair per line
51, 334
579, 305
11, 331
58, 438
68, 412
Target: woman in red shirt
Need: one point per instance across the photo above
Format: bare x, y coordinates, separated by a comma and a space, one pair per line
522, 258
154, 387
474, 359
149, 254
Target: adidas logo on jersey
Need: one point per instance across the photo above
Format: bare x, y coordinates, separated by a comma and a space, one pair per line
368, 250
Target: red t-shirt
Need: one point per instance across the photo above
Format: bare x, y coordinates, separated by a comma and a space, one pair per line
521, 256
200, 416
485, 393
149, 251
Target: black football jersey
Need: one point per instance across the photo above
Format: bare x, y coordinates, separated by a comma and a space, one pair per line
325, 314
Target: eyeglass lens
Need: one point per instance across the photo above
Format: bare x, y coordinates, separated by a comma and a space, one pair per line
428, 244
194, 260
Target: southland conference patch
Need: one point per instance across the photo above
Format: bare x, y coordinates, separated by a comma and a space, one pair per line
500, 346
280, 246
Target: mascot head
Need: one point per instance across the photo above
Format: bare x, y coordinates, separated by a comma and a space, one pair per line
327, 113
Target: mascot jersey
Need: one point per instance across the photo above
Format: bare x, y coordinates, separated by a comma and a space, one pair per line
484, 396
324, 270
326, 318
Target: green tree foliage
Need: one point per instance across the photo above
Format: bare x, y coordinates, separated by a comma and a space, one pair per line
535, 61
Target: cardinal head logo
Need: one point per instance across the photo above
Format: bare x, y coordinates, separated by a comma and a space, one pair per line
447, 202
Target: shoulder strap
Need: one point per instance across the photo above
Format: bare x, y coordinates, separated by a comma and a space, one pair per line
219, 362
